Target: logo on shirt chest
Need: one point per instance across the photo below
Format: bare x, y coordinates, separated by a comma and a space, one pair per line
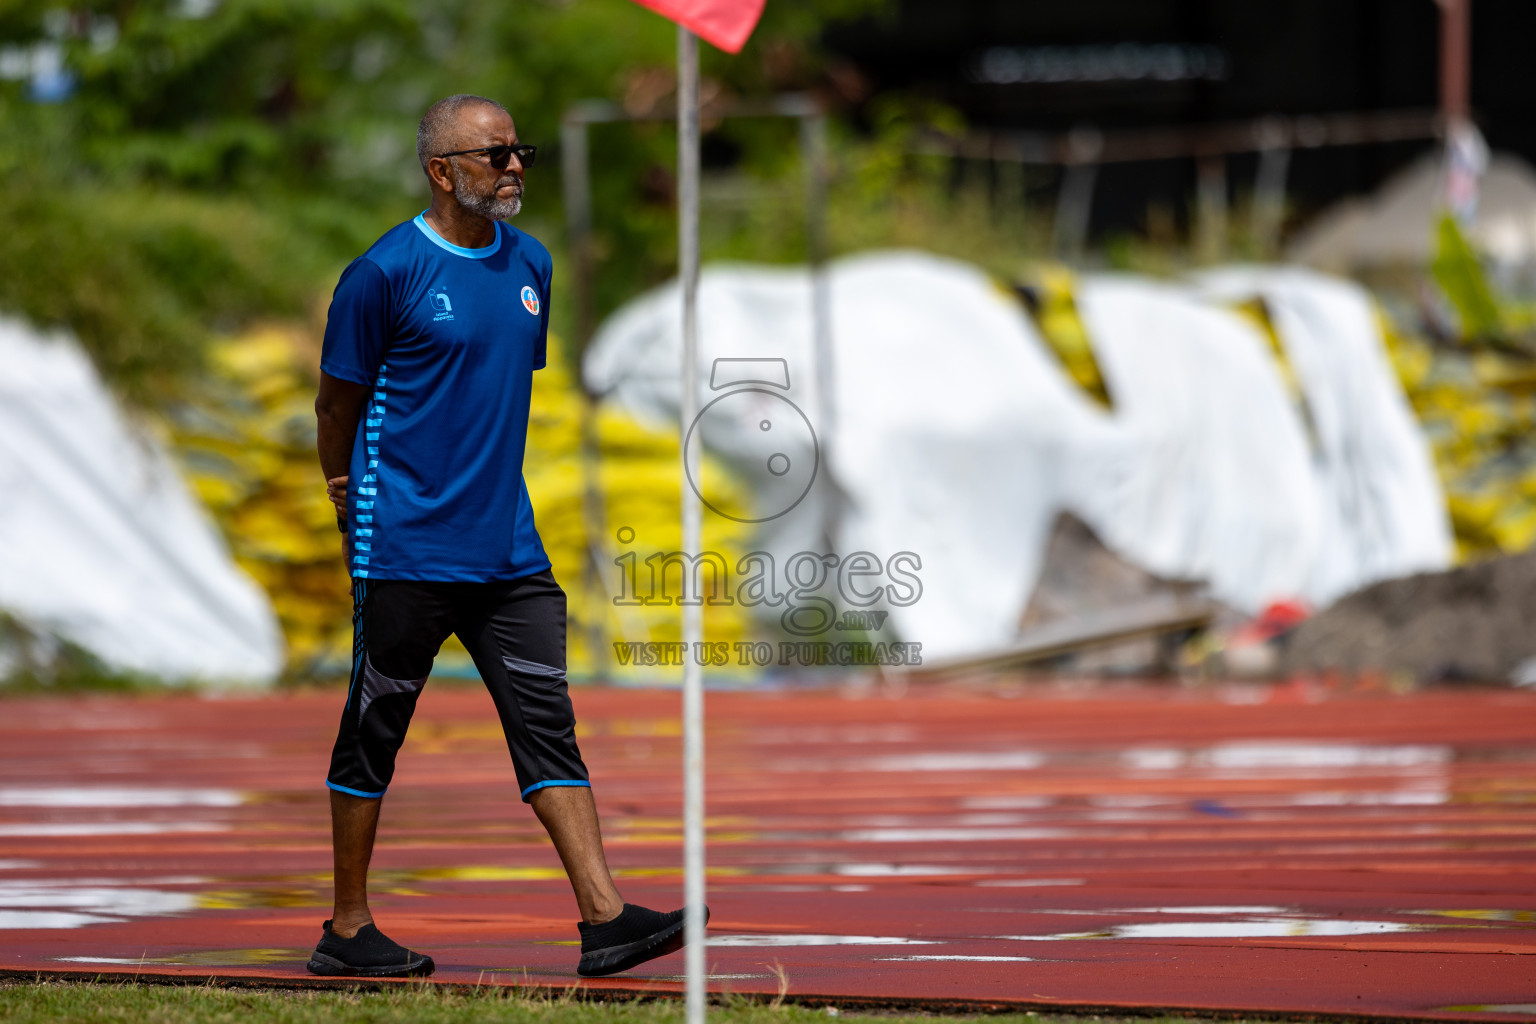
438, 297
530, 300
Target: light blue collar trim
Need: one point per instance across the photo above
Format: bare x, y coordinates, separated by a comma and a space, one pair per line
457, 250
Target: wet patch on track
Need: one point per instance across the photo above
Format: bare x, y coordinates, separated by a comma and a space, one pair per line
1292, 851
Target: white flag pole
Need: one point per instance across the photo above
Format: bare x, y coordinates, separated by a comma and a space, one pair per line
693, 612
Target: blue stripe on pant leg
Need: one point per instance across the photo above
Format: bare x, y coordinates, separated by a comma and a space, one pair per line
359, 595
556, 782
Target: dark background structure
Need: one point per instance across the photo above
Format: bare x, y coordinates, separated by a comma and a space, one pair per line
1124, 64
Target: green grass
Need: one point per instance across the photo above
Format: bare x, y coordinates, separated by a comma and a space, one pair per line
56, 1002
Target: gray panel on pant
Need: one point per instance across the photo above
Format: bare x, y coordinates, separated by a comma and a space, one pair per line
376, 684
531, 668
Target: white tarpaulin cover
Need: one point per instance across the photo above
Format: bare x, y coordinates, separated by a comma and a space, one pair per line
1381, 508
101, 543
958, 437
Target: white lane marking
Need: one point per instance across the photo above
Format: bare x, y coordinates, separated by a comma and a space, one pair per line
816, 940
951, 835
877, 870
117, 796
1252, 928
64, 829
957, 956
959, 761
43, 919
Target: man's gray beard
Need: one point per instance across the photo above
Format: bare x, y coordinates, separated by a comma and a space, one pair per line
485, 204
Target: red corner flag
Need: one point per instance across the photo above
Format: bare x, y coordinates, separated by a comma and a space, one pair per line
725, 23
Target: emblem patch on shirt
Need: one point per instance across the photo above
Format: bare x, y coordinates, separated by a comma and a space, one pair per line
530, 300
439, 299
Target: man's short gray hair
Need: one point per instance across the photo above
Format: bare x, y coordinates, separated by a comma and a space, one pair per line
435, 133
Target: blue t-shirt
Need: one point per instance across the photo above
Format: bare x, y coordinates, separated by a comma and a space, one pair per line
448, 338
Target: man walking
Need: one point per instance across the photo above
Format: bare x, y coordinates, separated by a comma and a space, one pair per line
431, 342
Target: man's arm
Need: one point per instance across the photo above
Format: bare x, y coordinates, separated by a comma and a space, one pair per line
338, 410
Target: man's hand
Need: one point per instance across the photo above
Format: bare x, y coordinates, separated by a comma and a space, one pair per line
336, 490
339, 409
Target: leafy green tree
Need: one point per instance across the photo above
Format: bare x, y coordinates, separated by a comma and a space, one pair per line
172, 168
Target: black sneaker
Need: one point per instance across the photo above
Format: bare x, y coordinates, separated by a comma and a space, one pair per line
368, 954
632, 938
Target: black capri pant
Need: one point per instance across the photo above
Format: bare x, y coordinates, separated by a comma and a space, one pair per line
514, 630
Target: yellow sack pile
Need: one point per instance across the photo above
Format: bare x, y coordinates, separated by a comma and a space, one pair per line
248, 447
1474, 396
1478, 408
601, 517
1055, 312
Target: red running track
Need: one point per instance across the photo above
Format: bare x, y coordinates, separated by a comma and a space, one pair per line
1290, 850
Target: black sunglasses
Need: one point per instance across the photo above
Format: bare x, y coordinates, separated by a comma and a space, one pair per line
501, 156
